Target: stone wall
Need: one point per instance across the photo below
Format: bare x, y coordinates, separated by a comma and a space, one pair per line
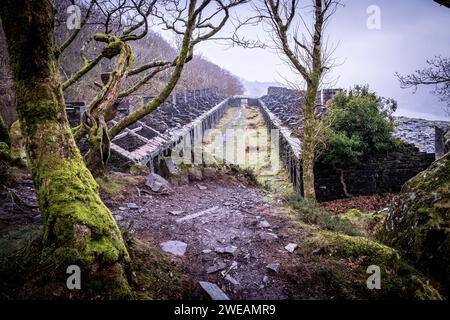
442, 140
374, 176
186, 139
289, 146
420, 132
74, 110
181, 118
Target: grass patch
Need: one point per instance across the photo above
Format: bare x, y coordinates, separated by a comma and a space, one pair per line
333, 265
247, 174
156, 275
118, 184
310, 212
356, 254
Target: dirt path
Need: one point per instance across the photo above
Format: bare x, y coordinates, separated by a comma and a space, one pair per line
226, 216
235, 235
236, 219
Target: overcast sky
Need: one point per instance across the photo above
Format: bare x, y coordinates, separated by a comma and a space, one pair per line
411, 31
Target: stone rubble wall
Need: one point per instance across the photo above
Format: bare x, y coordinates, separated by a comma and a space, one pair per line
374, 176
180, 118
289, 146
424, 134
442, 140
187, 138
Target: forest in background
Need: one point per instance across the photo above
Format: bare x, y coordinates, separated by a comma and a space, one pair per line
199, 73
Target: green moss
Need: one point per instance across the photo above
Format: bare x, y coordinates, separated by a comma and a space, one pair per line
353, 213
139, 169
436, 176
353, 246
24, 275
268, 199
424, 290
156, 274
418, 221
108, 186
311, 212
4, 151
346, 259
184, 168
78, 228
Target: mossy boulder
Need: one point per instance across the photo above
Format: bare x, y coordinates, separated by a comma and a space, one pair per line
418, 221
352, 255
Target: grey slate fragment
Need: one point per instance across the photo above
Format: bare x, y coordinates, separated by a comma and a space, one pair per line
213, 291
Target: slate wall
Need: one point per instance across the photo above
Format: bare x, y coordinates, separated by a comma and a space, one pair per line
374, 176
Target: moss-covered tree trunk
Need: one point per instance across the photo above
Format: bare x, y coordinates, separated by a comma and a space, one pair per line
78, 228
185, 53
308, 142
309, 139
103, 107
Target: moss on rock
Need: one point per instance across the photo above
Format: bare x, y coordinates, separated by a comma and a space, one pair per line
352, 255
418, 221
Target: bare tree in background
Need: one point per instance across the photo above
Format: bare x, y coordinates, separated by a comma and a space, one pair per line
306, 53
437, 74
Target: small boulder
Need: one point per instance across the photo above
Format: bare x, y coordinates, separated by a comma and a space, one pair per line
132, 206
263, 224
170, 171
195, 174
232, 280
227, 249
175, 212
177, 248
274, 267
219, 265
158, 184
418, 223
209, 173
291, 247
213, 291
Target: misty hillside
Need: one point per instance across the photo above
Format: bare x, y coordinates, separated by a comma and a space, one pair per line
199, 73
257, 88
